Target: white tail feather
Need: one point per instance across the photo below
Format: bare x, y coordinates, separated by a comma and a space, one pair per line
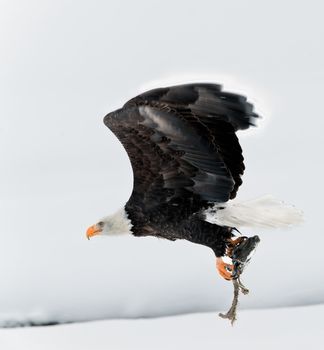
262, 212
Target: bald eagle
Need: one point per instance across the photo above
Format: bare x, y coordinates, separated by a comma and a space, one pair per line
187, 164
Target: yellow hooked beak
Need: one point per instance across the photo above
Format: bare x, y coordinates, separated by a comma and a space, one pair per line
93, 231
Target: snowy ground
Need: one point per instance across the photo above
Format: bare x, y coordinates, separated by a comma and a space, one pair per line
291, 328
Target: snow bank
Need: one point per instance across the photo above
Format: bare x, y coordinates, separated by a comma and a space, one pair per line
297, 328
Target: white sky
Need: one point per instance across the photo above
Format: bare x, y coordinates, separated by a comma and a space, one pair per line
64, 65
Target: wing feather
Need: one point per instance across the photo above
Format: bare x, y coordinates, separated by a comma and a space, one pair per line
216, 116
182, 145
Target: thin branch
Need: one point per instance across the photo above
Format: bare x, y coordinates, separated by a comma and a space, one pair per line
231, 313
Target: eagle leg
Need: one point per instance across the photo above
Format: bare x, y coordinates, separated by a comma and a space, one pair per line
232, 243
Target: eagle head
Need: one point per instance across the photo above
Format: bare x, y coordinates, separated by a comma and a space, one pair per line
114, 224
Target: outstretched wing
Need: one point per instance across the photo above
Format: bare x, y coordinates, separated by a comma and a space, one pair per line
222, 113
182, 145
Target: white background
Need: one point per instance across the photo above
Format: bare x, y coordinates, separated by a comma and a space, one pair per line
63, 66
